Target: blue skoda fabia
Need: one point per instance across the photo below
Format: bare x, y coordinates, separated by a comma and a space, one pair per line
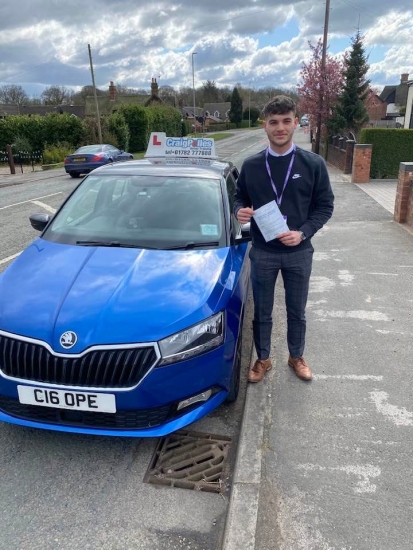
124, 317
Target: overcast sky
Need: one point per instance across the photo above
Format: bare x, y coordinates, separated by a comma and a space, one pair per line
253, 42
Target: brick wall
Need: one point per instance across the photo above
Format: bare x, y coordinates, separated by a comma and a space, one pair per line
403, 208
361, 163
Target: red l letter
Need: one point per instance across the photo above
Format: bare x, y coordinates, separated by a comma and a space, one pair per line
155, 140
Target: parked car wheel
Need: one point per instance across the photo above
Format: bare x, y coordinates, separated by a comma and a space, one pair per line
236, 373
74, 174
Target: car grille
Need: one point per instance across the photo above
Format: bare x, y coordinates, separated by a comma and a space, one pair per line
108, 368
121, 420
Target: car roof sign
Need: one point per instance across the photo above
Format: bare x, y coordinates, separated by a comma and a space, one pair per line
162, 146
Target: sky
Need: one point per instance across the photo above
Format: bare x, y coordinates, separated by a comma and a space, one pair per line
255, 43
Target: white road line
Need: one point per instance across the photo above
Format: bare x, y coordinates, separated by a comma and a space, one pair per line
5, 260
45, 206
30, 200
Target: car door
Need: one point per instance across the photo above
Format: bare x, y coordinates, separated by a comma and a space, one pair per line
241, 266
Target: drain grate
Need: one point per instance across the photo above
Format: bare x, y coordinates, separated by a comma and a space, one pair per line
189, 460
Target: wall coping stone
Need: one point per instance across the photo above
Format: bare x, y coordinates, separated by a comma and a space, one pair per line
363, 145
406, 167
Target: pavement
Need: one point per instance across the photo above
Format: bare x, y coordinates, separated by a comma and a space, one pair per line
326, 465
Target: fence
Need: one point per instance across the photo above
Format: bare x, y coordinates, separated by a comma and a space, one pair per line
338, 151
20, 158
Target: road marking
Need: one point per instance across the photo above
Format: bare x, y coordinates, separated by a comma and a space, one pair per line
30, 200
358, 377
5, 260
45, 206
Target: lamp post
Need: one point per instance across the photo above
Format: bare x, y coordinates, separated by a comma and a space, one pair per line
193, 88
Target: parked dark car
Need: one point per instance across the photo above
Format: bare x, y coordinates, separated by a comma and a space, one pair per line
87, 158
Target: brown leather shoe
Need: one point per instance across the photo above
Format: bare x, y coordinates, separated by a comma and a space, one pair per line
302, 370
257, 372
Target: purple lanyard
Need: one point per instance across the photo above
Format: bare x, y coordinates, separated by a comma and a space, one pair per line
287, 177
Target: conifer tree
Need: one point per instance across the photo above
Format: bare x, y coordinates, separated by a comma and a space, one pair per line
350, 113
235, 114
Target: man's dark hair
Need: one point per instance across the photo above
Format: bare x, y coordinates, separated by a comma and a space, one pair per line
279, 105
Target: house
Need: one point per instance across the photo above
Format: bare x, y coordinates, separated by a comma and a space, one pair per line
112, 101
154, 99
408, 117
376, 107
395, 96
218, 111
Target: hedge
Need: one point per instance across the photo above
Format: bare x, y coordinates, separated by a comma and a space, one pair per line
41, 130
391, 146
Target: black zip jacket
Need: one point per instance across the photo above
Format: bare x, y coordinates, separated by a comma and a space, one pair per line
308, 199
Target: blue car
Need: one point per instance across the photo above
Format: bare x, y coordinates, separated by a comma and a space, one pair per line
124, 317
87, 158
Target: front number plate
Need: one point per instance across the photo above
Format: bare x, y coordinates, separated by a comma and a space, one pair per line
63, 399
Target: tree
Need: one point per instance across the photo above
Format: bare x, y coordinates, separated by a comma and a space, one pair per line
235, 114
351, 113
315, 82
56, 95
210, 92
252, 114
13, 95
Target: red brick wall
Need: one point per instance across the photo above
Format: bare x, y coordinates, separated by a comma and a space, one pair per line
361, 163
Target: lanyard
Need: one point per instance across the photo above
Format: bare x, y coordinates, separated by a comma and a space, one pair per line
287, 177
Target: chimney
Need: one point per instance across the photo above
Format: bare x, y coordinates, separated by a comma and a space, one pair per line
404, 78
154, 87
112, 91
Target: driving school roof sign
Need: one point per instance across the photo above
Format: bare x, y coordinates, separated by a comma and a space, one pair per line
162, 146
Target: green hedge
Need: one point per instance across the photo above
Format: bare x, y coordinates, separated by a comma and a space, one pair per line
137, 119
41, 130
164, 118
390, 147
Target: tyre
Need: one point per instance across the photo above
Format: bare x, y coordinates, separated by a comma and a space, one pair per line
74, 174
236, 372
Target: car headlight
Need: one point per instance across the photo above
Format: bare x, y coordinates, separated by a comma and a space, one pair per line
193, 341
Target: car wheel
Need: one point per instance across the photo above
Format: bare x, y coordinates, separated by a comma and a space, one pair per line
236, 372
74, 174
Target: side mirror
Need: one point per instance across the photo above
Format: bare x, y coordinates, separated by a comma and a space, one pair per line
39, 221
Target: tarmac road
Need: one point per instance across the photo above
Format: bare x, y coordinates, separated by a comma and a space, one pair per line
70, 492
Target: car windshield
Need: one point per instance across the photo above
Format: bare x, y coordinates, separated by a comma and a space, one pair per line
141, 211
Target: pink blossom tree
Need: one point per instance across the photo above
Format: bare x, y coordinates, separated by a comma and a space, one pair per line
314, 82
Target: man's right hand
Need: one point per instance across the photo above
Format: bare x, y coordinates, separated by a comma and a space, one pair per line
244, 215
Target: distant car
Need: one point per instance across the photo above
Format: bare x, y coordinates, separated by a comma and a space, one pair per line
304, 121
125, 316
87, 158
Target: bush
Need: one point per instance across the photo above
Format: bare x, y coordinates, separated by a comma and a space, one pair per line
63, 126
221, 126
253, 113
117, 127
137, 119
390, 147
56, 153
164, 118
91, 130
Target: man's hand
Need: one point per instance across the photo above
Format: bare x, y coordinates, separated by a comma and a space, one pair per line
244, 215
290, 238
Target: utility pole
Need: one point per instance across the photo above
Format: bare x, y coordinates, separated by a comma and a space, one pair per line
322, 81
193, 89
96, 97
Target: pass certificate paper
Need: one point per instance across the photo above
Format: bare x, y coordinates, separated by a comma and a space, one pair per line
270, 221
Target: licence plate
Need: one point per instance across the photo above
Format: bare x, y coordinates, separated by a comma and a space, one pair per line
79, 160
63, 399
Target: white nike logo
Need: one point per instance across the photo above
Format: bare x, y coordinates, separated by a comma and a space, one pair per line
295, 176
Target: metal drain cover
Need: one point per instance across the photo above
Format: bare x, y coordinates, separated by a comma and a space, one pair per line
189, 460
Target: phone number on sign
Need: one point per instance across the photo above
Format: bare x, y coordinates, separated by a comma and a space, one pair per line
189, 152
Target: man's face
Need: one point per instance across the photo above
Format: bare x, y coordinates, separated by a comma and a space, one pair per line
280, 128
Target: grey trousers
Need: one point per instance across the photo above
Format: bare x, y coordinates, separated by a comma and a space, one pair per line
295, 267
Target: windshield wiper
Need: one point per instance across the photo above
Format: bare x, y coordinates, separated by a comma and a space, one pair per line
115, 244
190, 245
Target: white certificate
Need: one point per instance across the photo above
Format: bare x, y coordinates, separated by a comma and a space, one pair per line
270, 221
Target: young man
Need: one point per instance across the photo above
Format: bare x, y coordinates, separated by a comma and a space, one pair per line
298, 181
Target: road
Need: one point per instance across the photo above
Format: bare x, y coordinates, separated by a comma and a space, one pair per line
70, 492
